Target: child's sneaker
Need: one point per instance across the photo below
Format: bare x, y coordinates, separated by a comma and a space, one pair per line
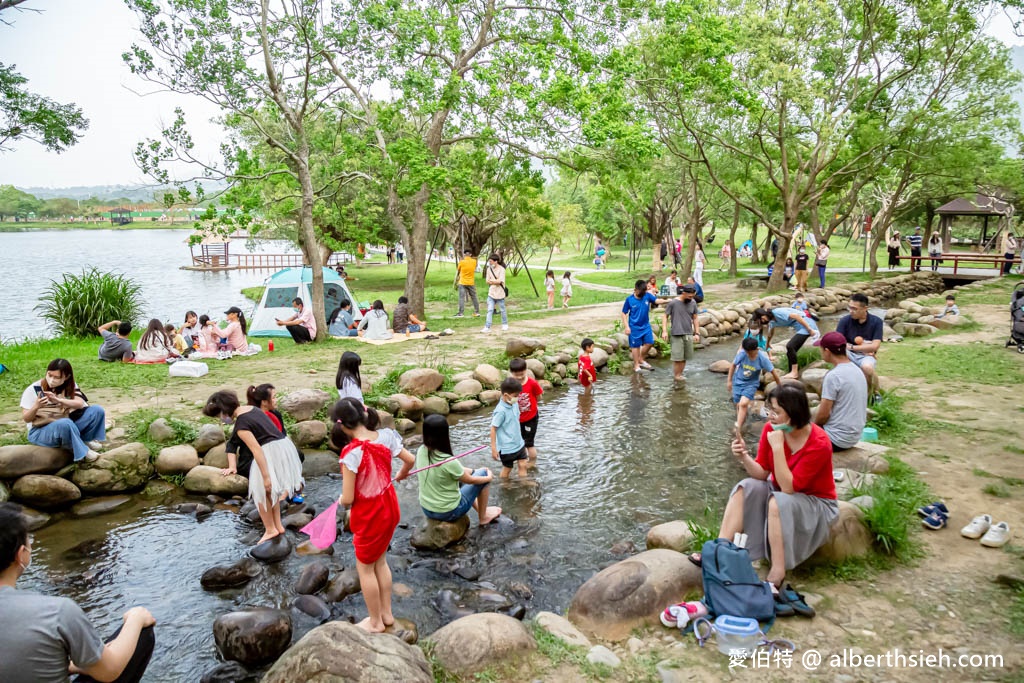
978, 527
678, 616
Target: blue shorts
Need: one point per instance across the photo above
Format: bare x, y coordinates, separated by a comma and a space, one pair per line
740, 392
638, 338
415, 328
469, 493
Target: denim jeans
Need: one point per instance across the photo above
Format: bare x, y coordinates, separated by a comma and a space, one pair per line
72, 434
490, 311
469, 492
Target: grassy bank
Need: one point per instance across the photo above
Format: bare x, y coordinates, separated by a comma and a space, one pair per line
10, 226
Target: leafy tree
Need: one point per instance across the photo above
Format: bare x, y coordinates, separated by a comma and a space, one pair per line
14, 203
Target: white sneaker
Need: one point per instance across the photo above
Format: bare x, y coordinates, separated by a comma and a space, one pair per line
978, 526
997, 536
91, 456
485, 330
94, 445
504, 328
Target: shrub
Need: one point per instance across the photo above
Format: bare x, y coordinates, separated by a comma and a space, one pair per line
78, 304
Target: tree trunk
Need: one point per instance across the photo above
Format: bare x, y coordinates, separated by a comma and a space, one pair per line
309, 243
754, 256
732, 240
785, 235
416, 251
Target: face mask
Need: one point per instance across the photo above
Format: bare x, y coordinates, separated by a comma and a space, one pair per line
54, 386
295, 310
785, 429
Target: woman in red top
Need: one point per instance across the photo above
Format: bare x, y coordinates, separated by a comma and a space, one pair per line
367, 487
788, 502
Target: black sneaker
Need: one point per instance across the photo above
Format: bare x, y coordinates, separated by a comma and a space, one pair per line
457, 315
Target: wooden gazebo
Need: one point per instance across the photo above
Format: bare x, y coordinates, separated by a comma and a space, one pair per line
982, 206
120, 216
213, 250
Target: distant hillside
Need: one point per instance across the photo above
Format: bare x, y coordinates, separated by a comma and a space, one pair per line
107, 193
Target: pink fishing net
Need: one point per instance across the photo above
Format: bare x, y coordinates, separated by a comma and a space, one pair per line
324, 528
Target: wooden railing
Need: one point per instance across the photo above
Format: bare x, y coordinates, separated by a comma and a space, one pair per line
982, 261
264, 261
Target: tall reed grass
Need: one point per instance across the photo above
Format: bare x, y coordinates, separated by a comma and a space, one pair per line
77, 304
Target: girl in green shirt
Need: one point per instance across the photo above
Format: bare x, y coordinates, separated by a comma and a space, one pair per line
441, 496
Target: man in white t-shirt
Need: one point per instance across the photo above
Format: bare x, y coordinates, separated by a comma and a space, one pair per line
843, 411
302, 325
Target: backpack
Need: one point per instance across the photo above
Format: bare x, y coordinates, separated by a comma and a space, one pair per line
731, 586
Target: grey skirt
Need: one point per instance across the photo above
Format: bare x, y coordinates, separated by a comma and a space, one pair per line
805, 520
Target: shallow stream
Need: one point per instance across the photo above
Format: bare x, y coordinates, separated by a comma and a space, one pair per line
636, 452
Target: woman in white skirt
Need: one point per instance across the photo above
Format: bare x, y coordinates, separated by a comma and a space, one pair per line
258, 450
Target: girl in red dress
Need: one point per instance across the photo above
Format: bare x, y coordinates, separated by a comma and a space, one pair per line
367, 487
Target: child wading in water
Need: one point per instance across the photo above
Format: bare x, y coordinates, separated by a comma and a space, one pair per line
275, 472
566, 289
507, 442
745, 377
549, 285
367, 487
529, 416
587, 373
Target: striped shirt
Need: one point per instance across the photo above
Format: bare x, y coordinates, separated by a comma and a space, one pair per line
915, 241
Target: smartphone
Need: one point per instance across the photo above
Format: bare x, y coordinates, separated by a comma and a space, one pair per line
39, 391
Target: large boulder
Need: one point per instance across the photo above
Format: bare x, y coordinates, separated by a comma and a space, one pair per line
720, 366
344, 584
849, 536
477, 641
812, 379
309, 433
468, 387
205, 479
409, 407
17, 461
272, 550
599, 357
99, 506
209, 436
339, 652
176, 459
536, 367
488, 375
253, 637
228, 576
126, 468
420, 381
434, 535
561, 628
160, 431
632, 593
5, 493
863, 457
319, 463
522, 346
671, 535
45, 491
489, 397
914, 329
303, 404
217, 457
435, 405
466, 406
312, 578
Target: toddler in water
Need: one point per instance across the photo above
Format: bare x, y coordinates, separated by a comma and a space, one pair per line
549, 285
587, 373
507, 442
367, 487
566, 289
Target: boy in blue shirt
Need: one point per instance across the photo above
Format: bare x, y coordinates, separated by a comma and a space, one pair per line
636, 323
507, 442
745, 377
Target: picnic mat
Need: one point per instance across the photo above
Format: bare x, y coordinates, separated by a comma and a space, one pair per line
395, 339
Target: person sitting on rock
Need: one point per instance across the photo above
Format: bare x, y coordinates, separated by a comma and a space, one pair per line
843, 411
787, 504
59, 416
278, 471
46, 637
441, 497
863, 332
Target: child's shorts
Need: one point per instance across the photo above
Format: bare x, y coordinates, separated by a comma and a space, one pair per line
509, 459
749, 392
528, 430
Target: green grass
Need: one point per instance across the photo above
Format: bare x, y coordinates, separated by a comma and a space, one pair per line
1017, 613
894, 424
973, 363
254, 294
996, 490
137, 429
897, 495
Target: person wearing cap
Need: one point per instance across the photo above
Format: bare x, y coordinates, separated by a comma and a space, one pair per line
235, 330
915, 241
682, 311
863, 332
843, 411
465, 279
302, 325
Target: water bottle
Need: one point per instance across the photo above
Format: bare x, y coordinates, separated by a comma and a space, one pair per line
270, 346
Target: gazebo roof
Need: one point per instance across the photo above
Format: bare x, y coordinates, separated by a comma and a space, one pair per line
981, 206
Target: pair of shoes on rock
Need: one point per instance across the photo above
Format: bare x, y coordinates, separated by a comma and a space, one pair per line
991, 535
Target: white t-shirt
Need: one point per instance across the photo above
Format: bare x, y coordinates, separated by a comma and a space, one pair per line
386, 437
349, 389
28, 398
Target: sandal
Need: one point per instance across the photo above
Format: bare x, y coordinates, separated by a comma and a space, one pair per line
935, 521
695, 559
796, 601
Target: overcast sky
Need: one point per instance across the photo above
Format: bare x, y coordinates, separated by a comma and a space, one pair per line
71, 52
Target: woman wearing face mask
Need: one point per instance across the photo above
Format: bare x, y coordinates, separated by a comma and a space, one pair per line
256, 441
789, 491
59, 416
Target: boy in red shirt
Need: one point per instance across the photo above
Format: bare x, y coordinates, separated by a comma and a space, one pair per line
587, 373
528, 413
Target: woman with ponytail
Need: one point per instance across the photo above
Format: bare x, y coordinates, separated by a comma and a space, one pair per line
367, 487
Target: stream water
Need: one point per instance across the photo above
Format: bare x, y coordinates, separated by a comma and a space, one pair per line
152, 258
635, 452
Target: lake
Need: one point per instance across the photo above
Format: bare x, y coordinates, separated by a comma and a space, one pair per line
152, 258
